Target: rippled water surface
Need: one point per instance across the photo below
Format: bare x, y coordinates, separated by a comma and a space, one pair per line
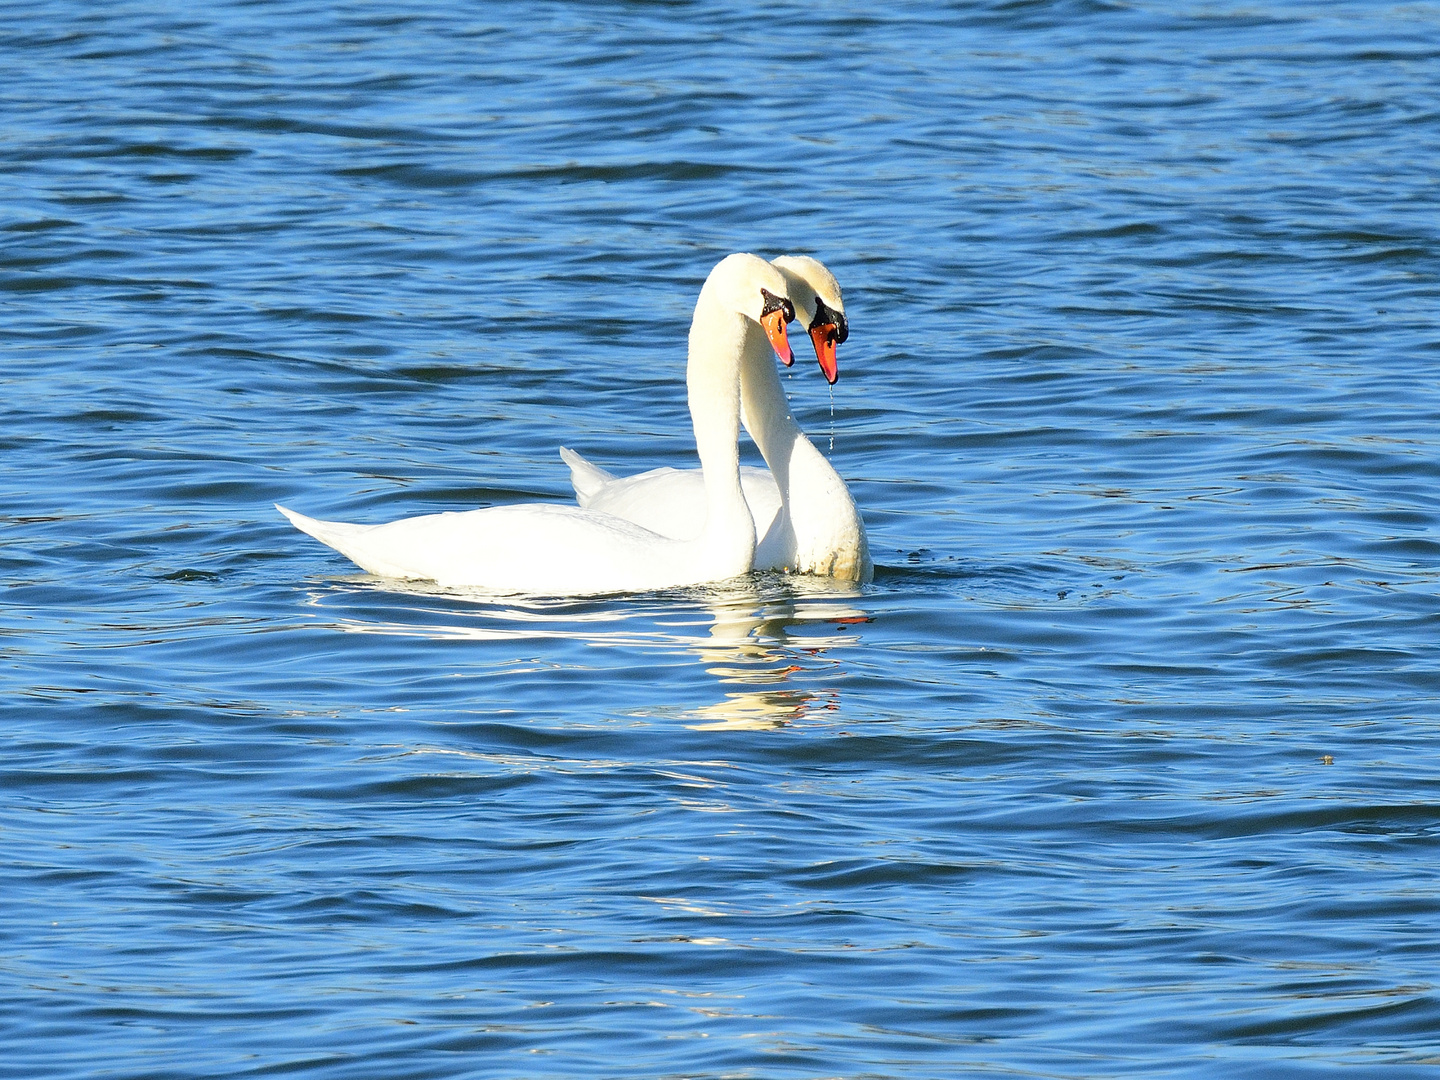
1124, 765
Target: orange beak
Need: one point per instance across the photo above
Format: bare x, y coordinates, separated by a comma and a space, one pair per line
774, 324
823, 336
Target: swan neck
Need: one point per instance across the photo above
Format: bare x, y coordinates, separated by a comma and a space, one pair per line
766, 412
818, 523
713, 383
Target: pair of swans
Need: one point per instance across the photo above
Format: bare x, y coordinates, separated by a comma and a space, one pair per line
667, 527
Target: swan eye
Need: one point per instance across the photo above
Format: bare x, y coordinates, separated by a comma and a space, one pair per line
825, 314
777, 303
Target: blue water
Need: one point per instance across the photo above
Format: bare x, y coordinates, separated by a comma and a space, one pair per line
1125, 764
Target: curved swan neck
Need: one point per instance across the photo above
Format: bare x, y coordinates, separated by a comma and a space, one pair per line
818, 520
712, 380
766, 412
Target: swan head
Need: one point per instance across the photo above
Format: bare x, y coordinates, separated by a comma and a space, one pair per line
752, 287
818, 305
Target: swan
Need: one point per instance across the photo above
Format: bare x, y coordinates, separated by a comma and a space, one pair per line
564, 550
804, 514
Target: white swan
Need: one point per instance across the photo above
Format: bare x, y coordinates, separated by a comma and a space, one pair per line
804, 515
562, 550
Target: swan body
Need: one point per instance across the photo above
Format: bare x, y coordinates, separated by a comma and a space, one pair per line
666, 500
564, 550
805, 517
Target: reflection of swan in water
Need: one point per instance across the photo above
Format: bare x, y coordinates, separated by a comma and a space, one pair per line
750, 646
764, 636
755, 710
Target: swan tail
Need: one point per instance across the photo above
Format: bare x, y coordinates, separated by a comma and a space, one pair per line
585, 478
331, 533
343, 536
